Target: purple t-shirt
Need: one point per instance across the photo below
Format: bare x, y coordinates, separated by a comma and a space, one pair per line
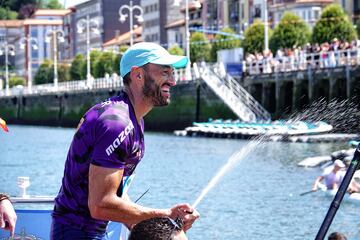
107, 136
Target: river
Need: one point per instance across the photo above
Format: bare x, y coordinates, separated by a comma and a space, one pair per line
258, 198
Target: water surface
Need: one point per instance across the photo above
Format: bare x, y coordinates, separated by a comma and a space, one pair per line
258, 198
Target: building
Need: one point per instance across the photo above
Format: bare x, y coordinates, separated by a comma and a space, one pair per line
155, 18
104, 15
29, 39
175, 23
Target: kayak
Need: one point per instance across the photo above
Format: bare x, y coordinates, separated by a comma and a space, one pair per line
354, 197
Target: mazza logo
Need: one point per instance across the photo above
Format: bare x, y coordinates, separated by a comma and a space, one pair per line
116, 143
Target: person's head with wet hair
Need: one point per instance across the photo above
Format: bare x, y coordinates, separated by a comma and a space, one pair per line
337, 236
159, 228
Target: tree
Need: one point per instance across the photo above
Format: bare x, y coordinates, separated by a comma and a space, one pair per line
227, 40
176, 50
45, 73
333, 23
27, 11
16, 80
254, 38
63, 72
291, 31
6, 14
94, 56
116, 66
54, 4
76, 69
358, 28
104, 64
199, 47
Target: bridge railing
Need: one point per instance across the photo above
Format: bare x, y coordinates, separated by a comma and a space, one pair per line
304, 61
79, 85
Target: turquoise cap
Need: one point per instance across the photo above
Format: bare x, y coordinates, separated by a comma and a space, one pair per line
145, 52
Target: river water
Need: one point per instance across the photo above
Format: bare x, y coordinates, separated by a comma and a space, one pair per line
258, 198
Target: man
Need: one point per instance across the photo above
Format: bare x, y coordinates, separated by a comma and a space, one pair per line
7, 214
108, 145
332, 176
160, 228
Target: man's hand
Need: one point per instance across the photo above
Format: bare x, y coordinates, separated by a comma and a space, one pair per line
186, 213
7, 216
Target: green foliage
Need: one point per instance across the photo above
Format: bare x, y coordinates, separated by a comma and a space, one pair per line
176, 50
123, 48
224, 42
63, 72
199, 47
254, 38
45, 73
76, 69
54, 4
104, 64
333, 23
291, 31
94, 56
6, 14
116, 66
358, 28
16, 80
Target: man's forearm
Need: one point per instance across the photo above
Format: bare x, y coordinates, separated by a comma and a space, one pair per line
122, 210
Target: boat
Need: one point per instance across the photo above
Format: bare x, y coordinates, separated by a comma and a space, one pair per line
345, 155
34, 216
354, 143
242, 130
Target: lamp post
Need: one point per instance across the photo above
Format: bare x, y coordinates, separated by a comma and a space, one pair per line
7, 49
187, 33
55, 34
30, 43
123, 17
266, 26
90, 25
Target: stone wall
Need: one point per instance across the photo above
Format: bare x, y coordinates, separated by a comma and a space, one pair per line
190, 102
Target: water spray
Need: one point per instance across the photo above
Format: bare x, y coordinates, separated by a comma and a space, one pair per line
235, 158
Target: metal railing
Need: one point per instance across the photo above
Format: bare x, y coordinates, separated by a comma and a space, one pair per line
233, 94
78, 86
304, 61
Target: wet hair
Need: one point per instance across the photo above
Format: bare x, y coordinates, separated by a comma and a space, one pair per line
159, 228
337, 236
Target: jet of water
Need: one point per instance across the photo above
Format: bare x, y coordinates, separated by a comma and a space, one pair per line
233, 160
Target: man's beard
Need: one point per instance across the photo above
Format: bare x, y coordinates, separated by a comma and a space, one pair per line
152, 91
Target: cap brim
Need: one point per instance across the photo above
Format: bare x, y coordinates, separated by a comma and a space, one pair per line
172, 60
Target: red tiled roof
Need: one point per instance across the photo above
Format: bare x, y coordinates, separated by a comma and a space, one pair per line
125, 38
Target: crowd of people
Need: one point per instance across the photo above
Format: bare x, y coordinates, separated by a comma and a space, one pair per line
325, 55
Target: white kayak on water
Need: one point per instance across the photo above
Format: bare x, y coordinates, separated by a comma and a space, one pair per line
354, 197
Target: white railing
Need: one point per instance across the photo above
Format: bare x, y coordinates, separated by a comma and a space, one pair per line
77, 86
304, 61
233, 94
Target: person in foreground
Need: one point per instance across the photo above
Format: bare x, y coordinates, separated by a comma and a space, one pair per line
7, 214
159, 228
108, 145
337, 236
333, 177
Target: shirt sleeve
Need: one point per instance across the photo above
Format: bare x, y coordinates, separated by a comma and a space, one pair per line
112, 144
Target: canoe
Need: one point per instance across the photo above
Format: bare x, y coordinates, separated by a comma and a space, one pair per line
354, 197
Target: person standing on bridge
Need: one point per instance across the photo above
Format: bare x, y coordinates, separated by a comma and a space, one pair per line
108, 145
